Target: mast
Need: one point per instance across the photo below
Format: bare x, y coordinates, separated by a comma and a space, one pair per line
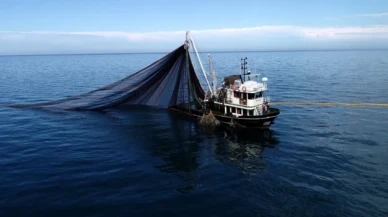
244, 67
213, 73
190, 39
187, 47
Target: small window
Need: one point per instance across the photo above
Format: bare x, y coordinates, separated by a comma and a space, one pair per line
245, 112
237, 83
259, 94
233, 110
243, 96
251, 95
250, 112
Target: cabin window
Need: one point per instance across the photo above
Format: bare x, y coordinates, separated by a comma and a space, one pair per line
237, 83
259, 94
245, 112
251, 95
243, 96
238, 111
233, 110
236, 94
250, 112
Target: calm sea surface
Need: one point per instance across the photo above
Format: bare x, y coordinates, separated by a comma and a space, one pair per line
315, 161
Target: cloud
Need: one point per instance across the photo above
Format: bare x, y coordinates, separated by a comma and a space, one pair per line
329, 33
373, 15
260, 37
368, 32
306, 32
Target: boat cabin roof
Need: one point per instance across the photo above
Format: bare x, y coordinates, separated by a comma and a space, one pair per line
230, 80
249, 87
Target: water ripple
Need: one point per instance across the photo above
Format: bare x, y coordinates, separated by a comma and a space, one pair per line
315, 161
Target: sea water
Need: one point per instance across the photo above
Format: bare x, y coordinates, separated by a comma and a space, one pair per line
315, 160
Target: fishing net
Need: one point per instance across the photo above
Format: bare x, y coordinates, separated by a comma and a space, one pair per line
170, 81
209, 120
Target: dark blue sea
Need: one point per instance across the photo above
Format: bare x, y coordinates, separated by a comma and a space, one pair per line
314, 161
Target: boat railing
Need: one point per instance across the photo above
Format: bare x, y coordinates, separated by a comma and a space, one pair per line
259, 111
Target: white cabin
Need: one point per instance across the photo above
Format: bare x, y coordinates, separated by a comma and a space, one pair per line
244, 98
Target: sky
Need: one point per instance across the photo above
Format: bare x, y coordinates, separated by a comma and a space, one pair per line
96, 26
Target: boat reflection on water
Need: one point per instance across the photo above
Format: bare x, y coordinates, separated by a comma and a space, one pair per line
181, 147
244, 148
195, 145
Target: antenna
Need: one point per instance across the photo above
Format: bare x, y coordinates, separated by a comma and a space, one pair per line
244, 67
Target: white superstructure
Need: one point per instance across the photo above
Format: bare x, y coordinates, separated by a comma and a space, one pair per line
243, 98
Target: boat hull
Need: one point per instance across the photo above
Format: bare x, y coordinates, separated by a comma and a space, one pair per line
259, 122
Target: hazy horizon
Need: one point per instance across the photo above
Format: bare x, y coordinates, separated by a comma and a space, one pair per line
43, 27
225, 51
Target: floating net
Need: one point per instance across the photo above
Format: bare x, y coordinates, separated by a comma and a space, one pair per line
209, 120
170, 81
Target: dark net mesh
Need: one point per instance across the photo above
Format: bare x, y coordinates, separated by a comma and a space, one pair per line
170, 81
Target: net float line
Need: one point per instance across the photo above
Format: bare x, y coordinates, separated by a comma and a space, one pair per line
332, 104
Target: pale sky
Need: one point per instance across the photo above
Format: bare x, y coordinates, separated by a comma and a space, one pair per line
96, 26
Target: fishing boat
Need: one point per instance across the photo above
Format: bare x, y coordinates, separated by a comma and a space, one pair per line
240, 101
172, 83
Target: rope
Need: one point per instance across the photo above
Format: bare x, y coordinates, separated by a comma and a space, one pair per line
331, 104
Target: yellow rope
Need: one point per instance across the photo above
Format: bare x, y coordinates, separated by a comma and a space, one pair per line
330, 104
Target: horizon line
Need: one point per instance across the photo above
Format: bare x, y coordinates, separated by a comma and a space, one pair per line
226, 51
